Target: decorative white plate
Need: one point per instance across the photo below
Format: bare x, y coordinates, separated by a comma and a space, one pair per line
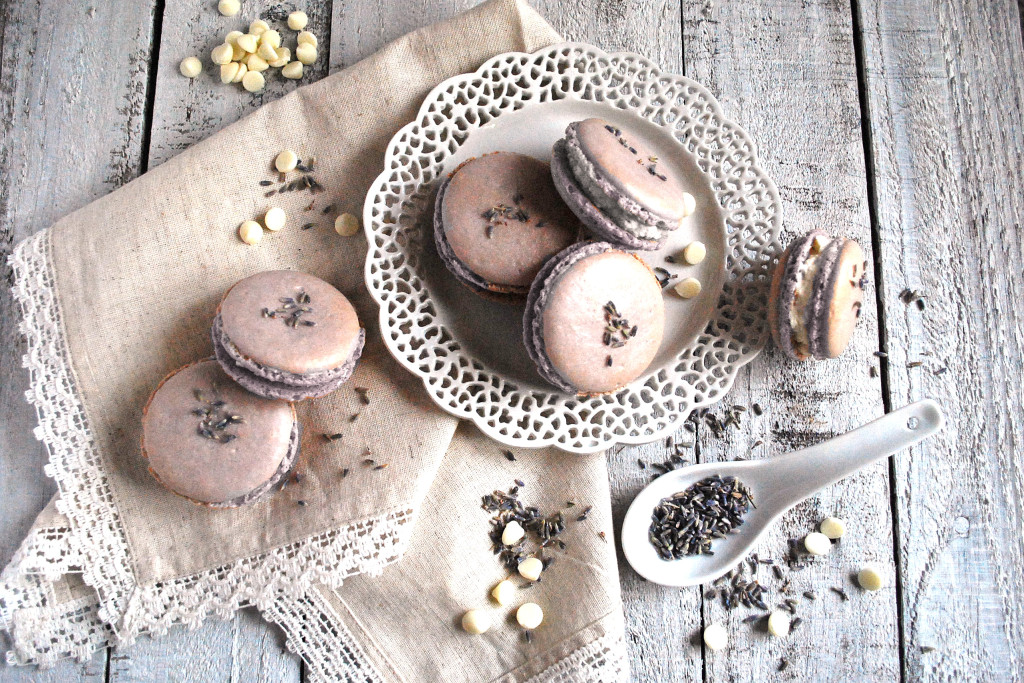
468, 351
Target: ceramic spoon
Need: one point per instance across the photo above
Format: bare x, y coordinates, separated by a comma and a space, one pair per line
777, 484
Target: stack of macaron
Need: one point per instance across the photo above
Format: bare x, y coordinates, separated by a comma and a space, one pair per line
223, 432
508, 226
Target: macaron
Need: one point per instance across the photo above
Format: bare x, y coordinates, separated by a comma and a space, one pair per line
497, 218
287, 335
211, 441
617, 186
594, 318
816, 296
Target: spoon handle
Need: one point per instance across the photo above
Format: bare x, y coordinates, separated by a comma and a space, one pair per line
799, 474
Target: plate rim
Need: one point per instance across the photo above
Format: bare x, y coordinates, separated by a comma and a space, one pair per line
392, 151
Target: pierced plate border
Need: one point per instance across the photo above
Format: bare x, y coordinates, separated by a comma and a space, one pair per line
652, 406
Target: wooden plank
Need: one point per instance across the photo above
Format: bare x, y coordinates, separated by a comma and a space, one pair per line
243, 648
944, 87
187, 111
785, 71
659, 621
72, 105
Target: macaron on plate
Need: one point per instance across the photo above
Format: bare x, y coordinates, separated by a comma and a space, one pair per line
438, 316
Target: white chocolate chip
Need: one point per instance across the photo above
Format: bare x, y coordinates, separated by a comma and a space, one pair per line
237, 53
513, 533
716, 637
229, 8
297, 21
271, 38
817, 543
256, 63
190, 67
819, 243
688, 288
307, 38
689, 204
870, 579
778, 624
222, 53
504, 592
267, 52
530, 568
250, 232
476, 621
232, 37
253, 81
529, 615
346, 225
305, 53
240, 74
833, 527
286, 161
292, 70
258, 26
694, 253
248, 42
228, 72
274, 219
282, 56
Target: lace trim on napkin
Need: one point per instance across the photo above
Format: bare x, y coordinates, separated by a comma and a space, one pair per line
317, 634
44, 630
97, 534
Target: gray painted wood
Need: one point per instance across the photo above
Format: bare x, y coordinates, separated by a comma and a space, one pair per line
73, 116
786, 72
945, 85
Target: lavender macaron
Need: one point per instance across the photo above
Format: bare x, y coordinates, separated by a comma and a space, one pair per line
617, 185
816, 296
214, 443
594, 319
497, 218
287, 335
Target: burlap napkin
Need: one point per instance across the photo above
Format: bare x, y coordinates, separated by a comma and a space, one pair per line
403, 625
120, 293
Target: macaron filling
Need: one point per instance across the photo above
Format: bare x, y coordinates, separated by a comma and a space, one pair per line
806, 274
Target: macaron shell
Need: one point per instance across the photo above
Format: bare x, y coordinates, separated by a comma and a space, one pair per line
783, 292
833, 317
626, 162
573, 321
512, 251
598, 222
203, 469
271, 342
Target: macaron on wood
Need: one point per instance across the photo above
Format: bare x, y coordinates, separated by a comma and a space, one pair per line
497, 218
817, 295
616, 185
594, 319
209, 440
288, 335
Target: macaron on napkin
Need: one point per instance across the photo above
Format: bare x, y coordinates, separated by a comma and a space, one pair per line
121, 293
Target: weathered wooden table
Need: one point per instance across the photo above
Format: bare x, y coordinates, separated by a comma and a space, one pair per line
896, 122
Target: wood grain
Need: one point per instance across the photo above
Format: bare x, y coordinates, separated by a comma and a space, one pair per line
785, 71
944, 86
73, 116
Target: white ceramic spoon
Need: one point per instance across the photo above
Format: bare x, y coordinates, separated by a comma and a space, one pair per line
777, 484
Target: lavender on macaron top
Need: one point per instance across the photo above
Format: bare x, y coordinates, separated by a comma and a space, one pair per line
618, 185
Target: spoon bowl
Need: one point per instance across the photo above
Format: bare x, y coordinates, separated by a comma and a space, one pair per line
777, 484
